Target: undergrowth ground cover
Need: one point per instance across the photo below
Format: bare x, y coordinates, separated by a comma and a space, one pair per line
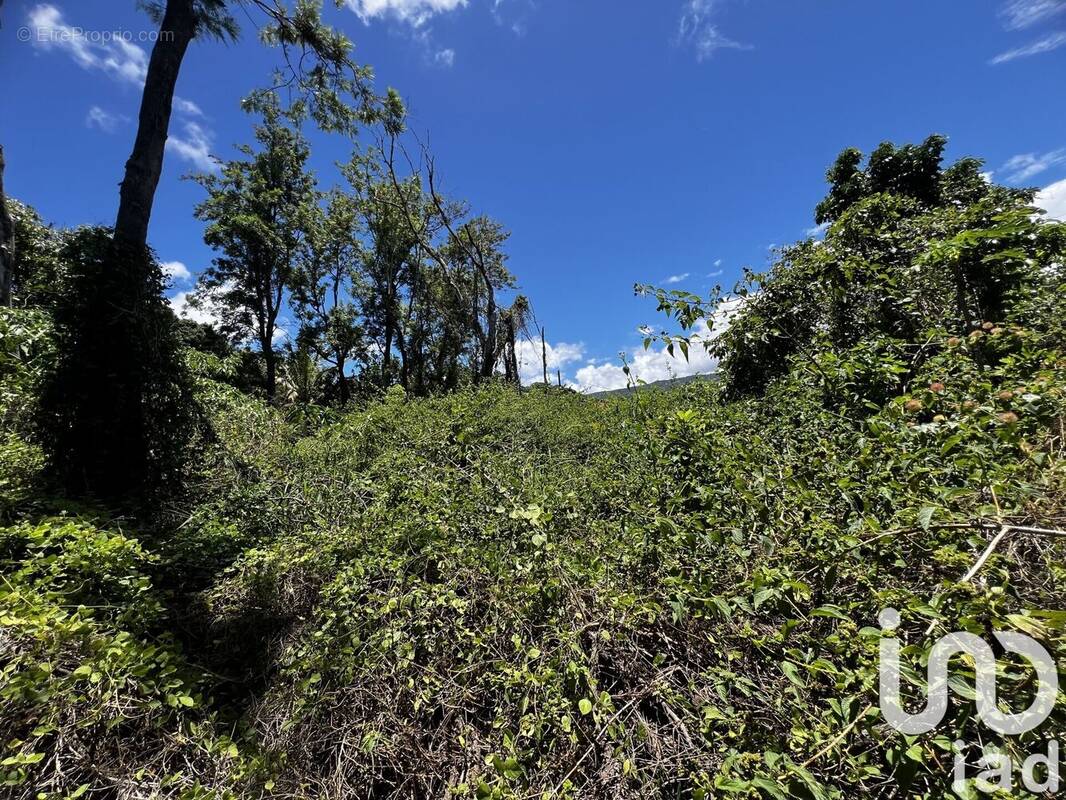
504, 593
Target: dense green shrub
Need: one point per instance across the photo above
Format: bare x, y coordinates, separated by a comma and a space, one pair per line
116, 413
513, 594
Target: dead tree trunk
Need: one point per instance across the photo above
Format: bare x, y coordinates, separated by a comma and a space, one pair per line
544, 358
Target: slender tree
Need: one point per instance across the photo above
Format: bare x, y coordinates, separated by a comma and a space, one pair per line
325, 284
321, 68
258, 209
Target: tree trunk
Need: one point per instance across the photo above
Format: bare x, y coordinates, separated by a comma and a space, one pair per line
488, 364
7, 241
145, 164
390, 327
271, 361
342, 381
511, 354
960, 298
544, 358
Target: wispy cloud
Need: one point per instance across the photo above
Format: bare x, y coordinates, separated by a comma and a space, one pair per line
513, 14
676, 278
104, 120
697, 29
445, 57
1024, 166
122, 60
187, 107
412, 12
193, 146
1050, 42
1020, 14
817, 230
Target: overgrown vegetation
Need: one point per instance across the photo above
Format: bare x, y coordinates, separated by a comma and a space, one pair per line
497, 593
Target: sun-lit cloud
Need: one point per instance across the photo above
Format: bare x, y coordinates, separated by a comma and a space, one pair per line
194, 146
204, 311
1052, 41
656, 363
104, 120
531, 362
118, 58
817, 230
1052, 199
1024, 166
176, 270
445, 57
698, 30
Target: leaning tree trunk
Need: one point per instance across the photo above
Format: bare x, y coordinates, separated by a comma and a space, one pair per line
145, 163
119, 394
7, 241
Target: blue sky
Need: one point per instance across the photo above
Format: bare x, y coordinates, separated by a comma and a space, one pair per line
619, 141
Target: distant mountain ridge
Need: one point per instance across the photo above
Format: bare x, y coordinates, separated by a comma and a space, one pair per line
667, 383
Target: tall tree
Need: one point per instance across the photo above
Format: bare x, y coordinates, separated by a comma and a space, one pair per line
109, 397
325, 284
515, 322
322, 70
471, 257
258, 209
476, 247
388, 264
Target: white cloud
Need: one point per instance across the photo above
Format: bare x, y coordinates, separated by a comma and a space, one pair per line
697, 29
205, 312
676, 278
99, 50
656, 363
176, 271
530, 361
413, 12
714, 274
1026, 165
1053, 200
718, 262
104, 120
1046, 45
187, 107
817, 230
445, 57
1020, 14
194, 147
